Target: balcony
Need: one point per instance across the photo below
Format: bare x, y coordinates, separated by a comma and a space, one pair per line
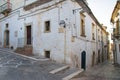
117, 36
116, 33
6, 8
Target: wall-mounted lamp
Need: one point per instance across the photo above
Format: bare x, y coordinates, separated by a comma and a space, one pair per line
62, 23
79, 9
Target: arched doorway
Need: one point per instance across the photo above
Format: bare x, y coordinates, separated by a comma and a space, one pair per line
83, 60
6, 38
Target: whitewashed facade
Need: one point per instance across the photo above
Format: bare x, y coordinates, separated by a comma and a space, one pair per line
65, 44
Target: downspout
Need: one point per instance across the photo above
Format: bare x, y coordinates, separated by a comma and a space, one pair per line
59, 14
65, 45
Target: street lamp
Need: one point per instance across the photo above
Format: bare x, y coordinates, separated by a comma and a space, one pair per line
62, 23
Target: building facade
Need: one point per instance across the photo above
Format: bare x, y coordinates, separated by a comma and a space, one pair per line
63, 30
105, 43
115, 19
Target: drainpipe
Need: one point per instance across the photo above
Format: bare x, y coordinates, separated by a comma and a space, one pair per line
63, 25
65, 45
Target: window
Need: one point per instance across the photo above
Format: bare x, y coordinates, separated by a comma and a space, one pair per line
117, 27
47, 26
82, 27
82, 24
93, 31
99, 34
7, 25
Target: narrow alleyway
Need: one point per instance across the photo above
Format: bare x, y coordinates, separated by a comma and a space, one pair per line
104, 71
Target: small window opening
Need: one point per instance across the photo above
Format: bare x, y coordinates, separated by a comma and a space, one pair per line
47, 54
47, 26
7, 25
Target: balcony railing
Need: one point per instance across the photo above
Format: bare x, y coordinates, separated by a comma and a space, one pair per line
6, 8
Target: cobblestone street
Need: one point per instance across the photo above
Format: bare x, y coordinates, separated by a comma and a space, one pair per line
15, 67
104, 71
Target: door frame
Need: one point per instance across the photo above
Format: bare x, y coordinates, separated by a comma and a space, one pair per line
26, 25
5, 38
83, 60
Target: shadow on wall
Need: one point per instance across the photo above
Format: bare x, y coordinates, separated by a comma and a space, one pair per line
75, 60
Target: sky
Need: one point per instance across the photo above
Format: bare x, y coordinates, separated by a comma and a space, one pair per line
102, 9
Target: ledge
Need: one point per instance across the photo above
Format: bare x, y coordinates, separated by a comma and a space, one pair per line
35, 4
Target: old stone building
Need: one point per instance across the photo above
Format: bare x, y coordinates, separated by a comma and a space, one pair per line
115, 19
63, 30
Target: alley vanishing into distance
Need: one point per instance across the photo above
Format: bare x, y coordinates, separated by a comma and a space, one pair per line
104, 71
16, 67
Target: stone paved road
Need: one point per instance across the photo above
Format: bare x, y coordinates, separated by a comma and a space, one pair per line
15, 67
104, 71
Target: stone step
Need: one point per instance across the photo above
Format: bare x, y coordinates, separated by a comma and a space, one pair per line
27, 50
4, 51
59, 69
68, 73
72, 75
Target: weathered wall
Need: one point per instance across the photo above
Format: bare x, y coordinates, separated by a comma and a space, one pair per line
64, 44
80, 43
14, 27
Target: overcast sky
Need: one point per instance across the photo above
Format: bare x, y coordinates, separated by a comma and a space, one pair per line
102, 9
